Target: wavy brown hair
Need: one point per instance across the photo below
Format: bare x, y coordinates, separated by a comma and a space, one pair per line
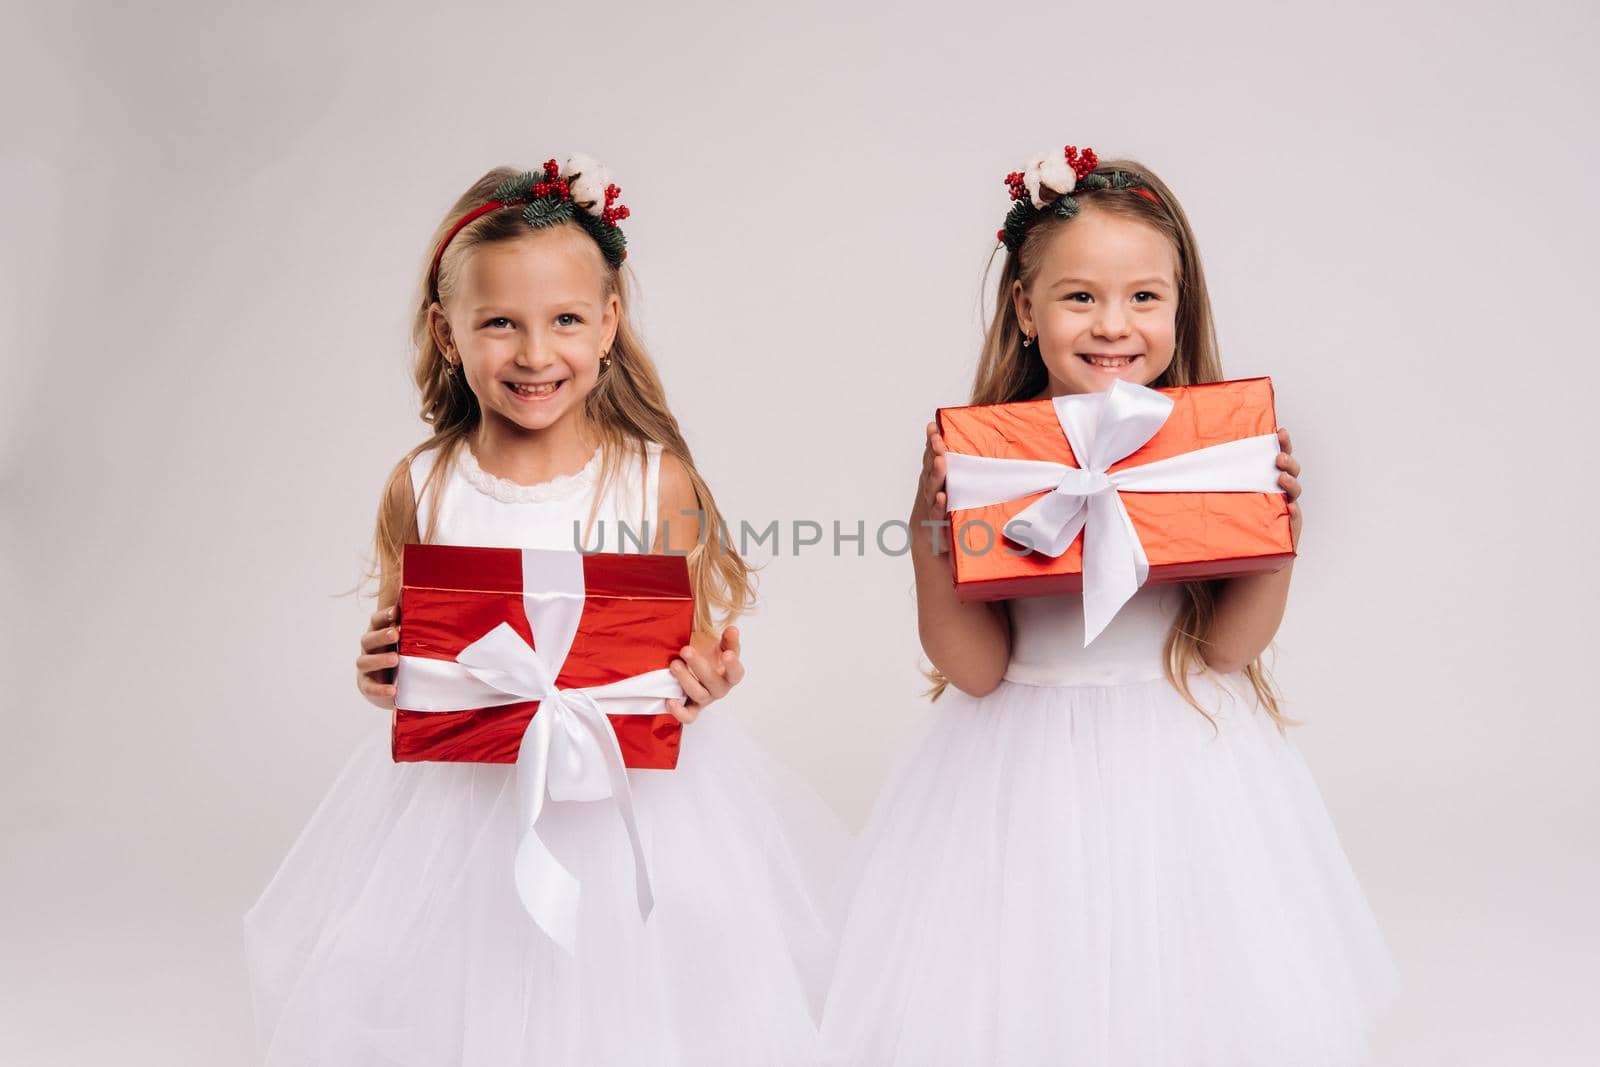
627, 406
1008, 372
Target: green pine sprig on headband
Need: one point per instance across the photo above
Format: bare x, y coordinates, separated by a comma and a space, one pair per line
546, 211
579, 192
1044, 186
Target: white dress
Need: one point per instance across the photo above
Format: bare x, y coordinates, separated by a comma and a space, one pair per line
1075, 870
393, 935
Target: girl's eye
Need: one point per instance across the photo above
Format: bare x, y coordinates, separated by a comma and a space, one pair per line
1144, 297
1078, 298
567, 318
501, 318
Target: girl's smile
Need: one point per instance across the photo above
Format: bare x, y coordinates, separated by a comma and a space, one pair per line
530, 321
1103, 303
534, 392
1109, 363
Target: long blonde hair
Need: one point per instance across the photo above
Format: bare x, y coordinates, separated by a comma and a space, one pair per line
628, 407
1008, 372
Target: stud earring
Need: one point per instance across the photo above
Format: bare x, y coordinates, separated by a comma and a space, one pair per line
1027, 340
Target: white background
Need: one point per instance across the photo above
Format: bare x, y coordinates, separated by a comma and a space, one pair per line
215, 214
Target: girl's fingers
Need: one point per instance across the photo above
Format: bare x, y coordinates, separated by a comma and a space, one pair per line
715, 685
682, 713
1291, 486
1288, 463
692, 688
375, 639
937, 441
376, 692
383, 617
732, 668
1283, 439
730, 640
377, 661
708, 672
933, 485
372, 688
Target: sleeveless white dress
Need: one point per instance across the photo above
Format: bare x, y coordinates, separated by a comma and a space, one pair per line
1076, 870
392, 933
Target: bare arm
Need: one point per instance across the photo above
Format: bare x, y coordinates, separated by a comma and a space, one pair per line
709, 666
1250, 608
969, 643
380, 644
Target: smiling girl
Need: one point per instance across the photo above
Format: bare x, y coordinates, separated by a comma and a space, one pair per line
1109, 856
393, 933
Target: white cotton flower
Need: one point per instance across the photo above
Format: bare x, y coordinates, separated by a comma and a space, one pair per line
1030, 179
1057, 174
1048, 176
589, 183
578, 163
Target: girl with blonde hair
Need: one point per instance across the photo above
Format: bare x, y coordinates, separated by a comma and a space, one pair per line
394, 933
1110, 855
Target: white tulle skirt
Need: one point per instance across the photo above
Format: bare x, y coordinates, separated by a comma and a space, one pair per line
1088, 876
392, 934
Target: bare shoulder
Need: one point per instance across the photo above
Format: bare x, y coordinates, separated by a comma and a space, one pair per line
397, 527
676, 504
676, 486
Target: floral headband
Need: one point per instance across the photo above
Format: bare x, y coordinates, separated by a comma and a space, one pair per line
1046, 182
581, 191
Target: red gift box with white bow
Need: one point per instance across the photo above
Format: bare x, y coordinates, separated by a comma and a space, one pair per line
1103, 492
607, 618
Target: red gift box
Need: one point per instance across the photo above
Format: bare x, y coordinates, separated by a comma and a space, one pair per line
1183, 535
637, 612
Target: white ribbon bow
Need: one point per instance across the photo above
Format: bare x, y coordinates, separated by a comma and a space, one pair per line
569, 750
1103, 428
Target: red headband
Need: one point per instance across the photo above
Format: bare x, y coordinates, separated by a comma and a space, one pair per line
475, 213
580, 193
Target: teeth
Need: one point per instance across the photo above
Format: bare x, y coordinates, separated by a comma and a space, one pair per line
1110, 361
544, 389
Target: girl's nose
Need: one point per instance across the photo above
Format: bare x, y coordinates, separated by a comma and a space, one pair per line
1111, 323
533, 354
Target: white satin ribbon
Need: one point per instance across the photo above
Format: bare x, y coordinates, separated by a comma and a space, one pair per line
568, 751
1103, 428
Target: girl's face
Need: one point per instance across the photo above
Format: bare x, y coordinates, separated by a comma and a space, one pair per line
1104, 303
528, 325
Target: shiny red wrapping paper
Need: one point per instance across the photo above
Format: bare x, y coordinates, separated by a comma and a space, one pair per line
1185, 536
638, 613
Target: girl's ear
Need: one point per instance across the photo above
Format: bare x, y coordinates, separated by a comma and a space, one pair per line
439, 326
1023, 307
610, 319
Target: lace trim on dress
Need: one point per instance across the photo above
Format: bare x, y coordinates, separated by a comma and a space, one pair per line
508, 492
